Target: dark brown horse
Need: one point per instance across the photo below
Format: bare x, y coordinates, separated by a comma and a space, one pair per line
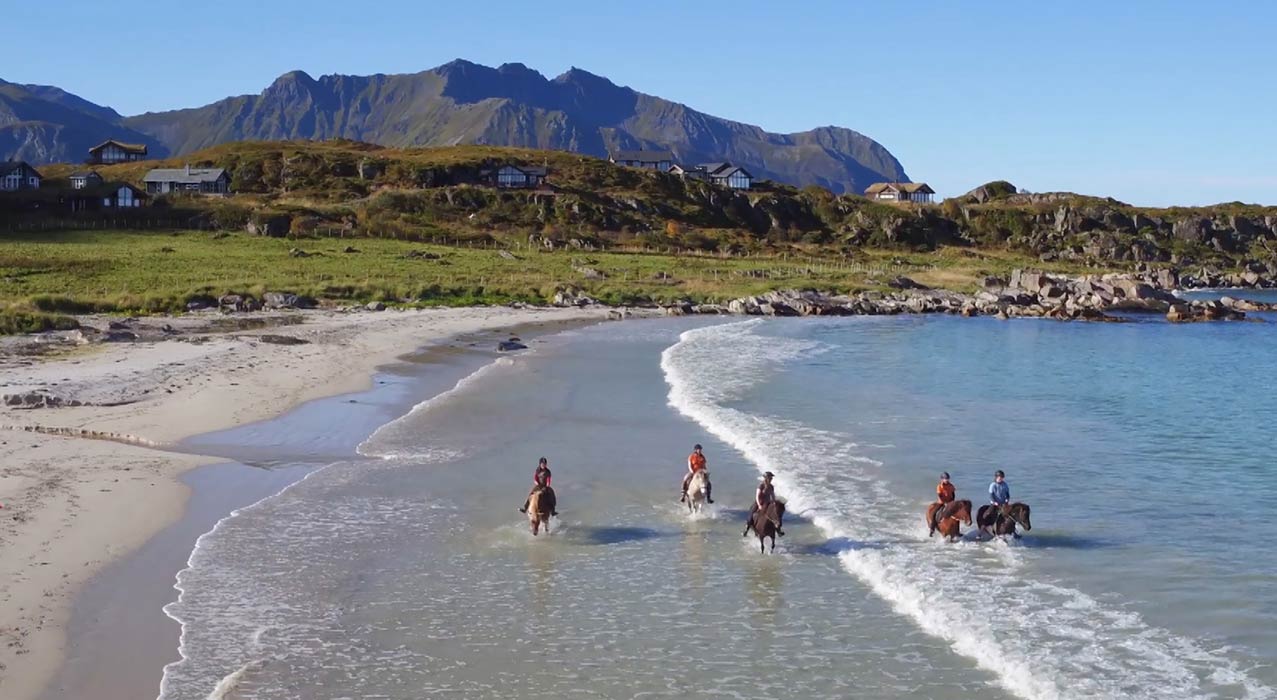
766, 522
541, 505
946, 517
1002, 521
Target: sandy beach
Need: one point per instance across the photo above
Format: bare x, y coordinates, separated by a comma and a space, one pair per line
81, 486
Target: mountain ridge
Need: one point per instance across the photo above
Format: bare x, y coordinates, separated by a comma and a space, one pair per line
461, 102
44, 124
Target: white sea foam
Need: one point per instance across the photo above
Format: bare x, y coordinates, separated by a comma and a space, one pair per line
1039, 639
250, 644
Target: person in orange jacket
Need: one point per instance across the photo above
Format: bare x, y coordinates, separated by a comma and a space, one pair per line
945, 493
695, 463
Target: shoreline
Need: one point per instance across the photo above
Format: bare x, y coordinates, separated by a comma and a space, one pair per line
71, 504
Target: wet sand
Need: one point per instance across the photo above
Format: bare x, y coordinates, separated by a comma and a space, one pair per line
72, 506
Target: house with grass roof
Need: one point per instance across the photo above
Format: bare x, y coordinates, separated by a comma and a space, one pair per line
654, 160
918, 192
112, 151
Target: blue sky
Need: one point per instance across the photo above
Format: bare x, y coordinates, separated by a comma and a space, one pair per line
1153, 103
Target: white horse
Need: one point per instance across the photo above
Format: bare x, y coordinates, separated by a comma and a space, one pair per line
696, 491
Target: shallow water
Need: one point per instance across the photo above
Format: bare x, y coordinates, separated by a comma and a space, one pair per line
411, 574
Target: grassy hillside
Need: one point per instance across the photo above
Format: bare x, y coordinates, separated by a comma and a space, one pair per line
650, 235
124, 271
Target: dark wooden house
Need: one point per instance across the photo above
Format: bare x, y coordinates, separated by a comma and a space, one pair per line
16, 175
112, 151
656, 160
510, 176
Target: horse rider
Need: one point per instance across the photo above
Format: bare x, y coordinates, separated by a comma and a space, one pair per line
764, 495
696, 463
1000, 492
945, 493
540, 480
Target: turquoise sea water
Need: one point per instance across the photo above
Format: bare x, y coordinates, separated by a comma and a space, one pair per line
1145, 449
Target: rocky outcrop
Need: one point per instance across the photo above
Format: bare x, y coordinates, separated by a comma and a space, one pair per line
286, 300
571, 296
1187, 312
38, 399
273, 339
1027, 293
238, 302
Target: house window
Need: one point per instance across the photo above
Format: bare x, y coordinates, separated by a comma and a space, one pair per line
738, 181
125, 197
509, 177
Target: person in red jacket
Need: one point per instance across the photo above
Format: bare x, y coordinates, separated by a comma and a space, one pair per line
540, 479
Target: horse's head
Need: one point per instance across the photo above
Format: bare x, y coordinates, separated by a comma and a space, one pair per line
963, 512
775, 511
1020, 514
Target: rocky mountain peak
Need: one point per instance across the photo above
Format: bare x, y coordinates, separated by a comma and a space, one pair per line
465, 102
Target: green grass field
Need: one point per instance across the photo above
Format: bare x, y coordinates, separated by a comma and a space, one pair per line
153, 272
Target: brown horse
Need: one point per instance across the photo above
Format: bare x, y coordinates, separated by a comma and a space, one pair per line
1002, 521
946, 517
541, 504
766, 522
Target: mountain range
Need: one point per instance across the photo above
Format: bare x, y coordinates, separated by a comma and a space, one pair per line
457, 103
